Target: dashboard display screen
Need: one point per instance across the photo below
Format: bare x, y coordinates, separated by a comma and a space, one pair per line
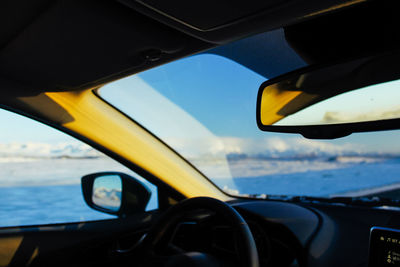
384, 247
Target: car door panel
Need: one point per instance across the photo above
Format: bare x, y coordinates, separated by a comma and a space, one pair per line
75, 244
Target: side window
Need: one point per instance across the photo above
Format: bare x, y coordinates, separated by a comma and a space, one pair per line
40, 174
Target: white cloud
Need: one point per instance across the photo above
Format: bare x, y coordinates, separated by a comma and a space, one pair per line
209, 155
16, 151
273, 146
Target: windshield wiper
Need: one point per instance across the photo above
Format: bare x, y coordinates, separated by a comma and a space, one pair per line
369, 201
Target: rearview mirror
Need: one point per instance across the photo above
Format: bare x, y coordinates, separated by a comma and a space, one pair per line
333, 100
115, 193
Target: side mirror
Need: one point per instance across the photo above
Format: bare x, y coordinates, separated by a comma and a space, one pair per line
115, 193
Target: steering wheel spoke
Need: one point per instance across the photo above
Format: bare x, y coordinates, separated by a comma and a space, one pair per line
201, 209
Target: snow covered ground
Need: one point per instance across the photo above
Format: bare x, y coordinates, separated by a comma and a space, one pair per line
351, 177
40, 183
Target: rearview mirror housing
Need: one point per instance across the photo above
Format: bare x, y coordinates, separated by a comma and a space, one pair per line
303, 101
115, 193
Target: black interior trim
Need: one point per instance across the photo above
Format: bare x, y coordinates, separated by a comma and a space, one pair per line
281, 14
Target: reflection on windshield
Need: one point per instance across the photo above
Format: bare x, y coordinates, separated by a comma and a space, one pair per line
376, 102
204, 108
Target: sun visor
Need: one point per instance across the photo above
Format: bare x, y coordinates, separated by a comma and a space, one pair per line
228, 20
207, 15
75, 45
352, 33
11, 88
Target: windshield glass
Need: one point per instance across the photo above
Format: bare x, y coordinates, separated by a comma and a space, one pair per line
204, 107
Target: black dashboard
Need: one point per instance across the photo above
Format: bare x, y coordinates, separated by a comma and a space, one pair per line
281, 232
320, 234
286, 234
288, 227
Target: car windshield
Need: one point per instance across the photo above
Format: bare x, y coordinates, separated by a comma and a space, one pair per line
204, 107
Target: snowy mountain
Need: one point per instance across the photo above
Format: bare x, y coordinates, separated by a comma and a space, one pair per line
265, 148
47, 151
107, 197
215, 148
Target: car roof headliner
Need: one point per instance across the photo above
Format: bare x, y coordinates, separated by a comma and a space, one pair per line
71, 45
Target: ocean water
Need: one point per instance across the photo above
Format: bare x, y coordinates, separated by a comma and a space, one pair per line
348, 180
41, 192
34, 205
48, 191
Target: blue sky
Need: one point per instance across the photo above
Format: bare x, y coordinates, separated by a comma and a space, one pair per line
221, 95
218, 93
20, 129
108, 181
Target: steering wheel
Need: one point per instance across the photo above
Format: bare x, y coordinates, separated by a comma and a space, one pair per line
159, 236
